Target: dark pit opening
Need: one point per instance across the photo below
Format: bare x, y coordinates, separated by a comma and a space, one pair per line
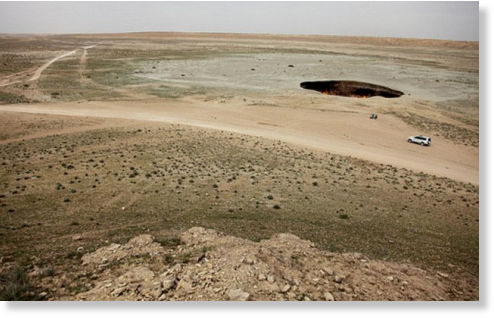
351, 89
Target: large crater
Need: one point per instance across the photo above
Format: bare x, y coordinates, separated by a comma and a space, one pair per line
351, 89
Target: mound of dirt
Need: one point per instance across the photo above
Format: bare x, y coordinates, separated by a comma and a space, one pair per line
214, 266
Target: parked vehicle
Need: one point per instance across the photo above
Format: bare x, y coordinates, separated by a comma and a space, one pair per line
421, 140
373, 116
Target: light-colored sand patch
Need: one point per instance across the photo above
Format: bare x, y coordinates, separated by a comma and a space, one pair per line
353, 134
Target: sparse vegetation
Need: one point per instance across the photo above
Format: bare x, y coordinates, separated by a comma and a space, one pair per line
169, 242
10, 98
466, 136
15, 285
161, 205
111, 179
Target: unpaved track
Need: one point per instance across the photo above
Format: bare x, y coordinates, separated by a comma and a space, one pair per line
18, 77
383, 140
82, 65
40, 70
84, 54
83, 62
14, 78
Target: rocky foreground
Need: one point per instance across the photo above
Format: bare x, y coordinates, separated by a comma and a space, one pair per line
214, 266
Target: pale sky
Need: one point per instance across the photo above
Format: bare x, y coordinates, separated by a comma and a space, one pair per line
435, 20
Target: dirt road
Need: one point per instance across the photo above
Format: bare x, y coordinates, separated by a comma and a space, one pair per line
40, 70
18, 77
353, 134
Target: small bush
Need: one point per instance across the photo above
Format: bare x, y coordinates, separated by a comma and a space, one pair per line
169, 242
168, 258
48, 272
186, 258
206, 249
16, 286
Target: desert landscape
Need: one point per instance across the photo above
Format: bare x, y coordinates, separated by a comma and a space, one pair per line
197, 166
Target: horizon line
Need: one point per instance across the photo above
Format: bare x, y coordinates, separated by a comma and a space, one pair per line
240, 33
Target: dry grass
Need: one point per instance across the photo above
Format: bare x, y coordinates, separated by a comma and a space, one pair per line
467, 136
112, 180
112, 184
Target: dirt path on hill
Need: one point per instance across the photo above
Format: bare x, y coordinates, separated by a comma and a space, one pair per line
353, 134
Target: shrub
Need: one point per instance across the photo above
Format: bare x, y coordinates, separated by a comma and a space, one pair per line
16, 286
169, 242
168, 258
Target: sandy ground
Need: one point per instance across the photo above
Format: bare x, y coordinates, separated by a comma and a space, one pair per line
250, 84
119, 135
344, 133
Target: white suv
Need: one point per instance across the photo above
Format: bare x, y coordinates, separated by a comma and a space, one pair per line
421, 140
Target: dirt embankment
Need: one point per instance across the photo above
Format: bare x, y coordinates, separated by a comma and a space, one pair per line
214, 266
